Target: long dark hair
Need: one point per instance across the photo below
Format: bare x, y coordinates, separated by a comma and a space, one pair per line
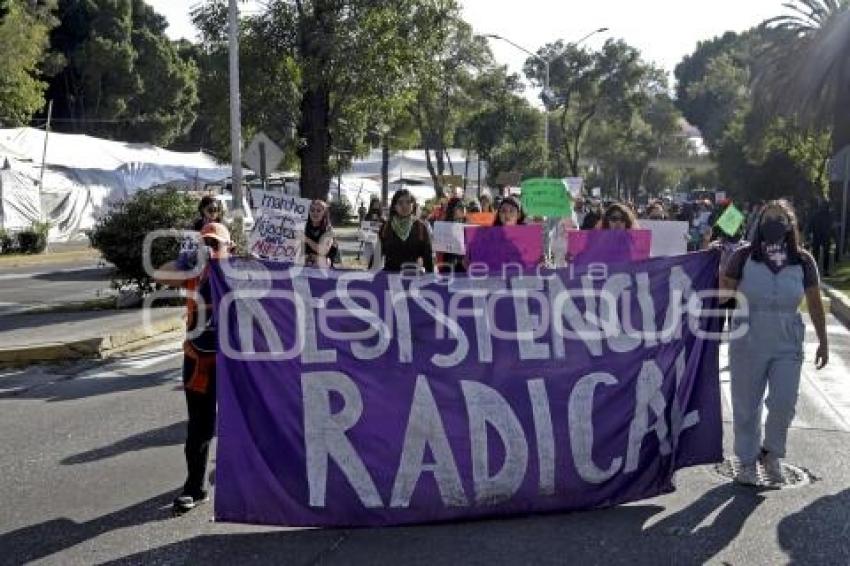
453, 205
792, 238
397, 195
624, 210
513, 201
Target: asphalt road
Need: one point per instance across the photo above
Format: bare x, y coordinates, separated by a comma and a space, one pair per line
27, 288
91, 459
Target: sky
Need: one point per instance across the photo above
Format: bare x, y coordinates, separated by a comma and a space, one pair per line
663, 30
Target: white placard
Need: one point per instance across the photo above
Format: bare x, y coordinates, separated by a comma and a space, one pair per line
574, 186
669, 237
267, 201
277, 237
448, 238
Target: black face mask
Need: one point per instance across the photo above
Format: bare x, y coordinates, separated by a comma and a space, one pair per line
774, 231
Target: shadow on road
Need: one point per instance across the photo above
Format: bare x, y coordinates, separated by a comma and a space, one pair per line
165, 436
47, 538
596, 537
818, 533
72, 389
82, 275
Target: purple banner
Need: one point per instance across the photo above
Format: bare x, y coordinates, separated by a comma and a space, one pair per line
362, 399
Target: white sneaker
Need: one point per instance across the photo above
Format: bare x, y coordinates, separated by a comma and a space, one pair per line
772, 468
746, 474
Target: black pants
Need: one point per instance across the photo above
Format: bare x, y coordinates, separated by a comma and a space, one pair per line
821, 248
202, 410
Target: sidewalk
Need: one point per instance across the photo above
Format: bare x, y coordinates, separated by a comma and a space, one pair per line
839, 304
52, 337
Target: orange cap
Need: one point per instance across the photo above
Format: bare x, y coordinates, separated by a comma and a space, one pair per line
216, 231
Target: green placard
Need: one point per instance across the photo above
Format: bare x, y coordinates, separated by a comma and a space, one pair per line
546, 197
731, 220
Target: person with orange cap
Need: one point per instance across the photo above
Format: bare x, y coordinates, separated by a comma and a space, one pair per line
199, 351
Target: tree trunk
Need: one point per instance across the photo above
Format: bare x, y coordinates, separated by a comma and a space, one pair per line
385, 170
466, 171
315, 155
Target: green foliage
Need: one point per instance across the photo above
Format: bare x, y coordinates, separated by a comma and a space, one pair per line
7, 241
34, 239
803, 73
586, 85
119, 235
23, 44
341, 212
122, 77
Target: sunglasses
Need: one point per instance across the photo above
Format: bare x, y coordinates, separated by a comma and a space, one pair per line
212, 243
616, 218
212, 209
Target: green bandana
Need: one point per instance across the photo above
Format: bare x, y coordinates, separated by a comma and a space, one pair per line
402, 227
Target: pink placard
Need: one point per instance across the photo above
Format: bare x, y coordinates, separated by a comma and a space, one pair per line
497, 246
608, 246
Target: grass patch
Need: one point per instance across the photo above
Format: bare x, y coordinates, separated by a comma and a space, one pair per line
840, 277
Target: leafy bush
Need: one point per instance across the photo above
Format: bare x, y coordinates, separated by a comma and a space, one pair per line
7, 242
34, 239
119, 235
341, 212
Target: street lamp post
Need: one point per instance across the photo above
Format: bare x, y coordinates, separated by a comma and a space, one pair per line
235, 112
546, 65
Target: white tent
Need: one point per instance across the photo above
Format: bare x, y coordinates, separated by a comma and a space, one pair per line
410, 169
84, 174
19, 201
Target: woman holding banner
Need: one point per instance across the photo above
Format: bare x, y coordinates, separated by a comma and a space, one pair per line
773, 274
319, 240
404, 240
510, 213
199, 368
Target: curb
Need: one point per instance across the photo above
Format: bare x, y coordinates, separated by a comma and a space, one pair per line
99, 347
839, 304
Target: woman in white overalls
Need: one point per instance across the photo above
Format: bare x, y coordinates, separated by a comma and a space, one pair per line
773, 274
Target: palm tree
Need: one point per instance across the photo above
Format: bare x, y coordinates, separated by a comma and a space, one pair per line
804, 68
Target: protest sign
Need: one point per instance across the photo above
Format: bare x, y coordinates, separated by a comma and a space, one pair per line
278, 229
574, 186
497, 246
731, 220
546, 197
334, 414
276, 237
587, 247
481, 218
448, 237
669, 237
268, 201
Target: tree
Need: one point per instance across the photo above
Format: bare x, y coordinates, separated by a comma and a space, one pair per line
805, 66
625, 144
24, 29
452, 56
122, 77
586, 84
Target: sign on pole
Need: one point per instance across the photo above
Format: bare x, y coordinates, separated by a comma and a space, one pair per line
263, 156
731, 220
509, 179
546, 197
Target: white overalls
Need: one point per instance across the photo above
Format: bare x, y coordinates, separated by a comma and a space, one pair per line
769, 356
